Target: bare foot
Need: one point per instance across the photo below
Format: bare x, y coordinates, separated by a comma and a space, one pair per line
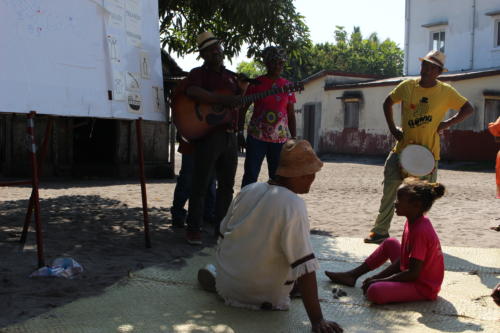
342, 278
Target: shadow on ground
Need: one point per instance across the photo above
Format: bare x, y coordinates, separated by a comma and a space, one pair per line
62, 183
104, 235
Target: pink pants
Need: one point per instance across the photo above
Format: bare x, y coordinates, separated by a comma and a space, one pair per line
390, 292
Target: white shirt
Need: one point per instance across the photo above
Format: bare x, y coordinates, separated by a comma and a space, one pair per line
265, 247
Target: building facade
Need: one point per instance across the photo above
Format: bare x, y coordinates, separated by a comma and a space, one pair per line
467, 31
348, 116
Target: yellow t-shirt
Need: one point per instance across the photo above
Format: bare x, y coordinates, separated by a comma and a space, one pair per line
423, 109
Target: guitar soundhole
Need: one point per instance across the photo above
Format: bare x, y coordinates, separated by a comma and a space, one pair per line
214, 119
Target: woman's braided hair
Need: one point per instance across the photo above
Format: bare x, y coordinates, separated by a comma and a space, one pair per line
423, 191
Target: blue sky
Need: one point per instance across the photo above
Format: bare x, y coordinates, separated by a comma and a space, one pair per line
385, 17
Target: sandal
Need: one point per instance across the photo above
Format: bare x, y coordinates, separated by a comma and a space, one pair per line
375, 238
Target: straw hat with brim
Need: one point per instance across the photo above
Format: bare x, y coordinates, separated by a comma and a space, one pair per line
205, 39
298, 159
494, 128
435, 57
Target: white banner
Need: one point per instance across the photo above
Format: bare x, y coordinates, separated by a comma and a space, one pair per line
94, 58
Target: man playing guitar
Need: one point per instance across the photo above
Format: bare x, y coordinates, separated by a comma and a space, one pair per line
216, 152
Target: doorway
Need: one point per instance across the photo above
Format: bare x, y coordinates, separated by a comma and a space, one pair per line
312, 120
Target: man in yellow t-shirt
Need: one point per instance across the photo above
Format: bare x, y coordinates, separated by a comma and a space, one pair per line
425, 101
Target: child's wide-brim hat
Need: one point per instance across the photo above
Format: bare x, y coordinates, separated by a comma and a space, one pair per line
298, 159
494, 127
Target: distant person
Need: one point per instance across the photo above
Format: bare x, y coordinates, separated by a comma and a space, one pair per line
494, 129
265, 242
183, 183
182, 189
417, 266
425, 101
273, 118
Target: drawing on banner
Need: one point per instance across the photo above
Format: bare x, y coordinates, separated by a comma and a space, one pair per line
133, 81
134, 103
116, 10
133, 23
118, 86
145, 68
159, 99
114, 49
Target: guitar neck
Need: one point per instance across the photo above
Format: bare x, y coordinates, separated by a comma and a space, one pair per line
255, 97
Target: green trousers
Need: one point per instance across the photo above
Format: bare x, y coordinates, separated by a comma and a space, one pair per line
392, 179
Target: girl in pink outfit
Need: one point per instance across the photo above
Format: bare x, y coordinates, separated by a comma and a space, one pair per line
417, 268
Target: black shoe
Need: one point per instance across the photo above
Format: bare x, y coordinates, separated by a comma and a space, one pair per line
178, 225
178, 222
206, 278
375, 238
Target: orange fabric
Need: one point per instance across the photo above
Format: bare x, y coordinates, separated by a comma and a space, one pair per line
494, 129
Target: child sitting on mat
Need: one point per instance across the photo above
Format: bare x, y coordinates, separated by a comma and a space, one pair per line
417, 268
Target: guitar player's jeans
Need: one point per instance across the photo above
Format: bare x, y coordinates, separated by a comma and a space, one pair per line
182, 193
216, 154
256, 150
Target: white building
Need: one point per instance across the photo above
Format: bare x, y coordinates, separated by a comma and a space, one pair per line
342, 113
467, 31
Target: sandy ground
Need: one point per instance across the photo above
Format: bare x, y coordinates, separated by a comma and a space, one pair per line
99, 224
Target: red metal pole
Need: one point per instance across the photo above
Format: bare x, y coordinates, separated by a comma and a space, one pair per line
34, 182
43, 153
140, 157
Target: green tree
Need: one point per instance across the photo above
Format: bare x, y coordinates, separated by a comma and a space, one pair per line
236, 22
251, 69
349, 53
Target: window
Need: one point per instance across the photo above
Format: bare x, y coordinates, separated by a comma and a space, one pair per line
351, 114
491, 110
437, 40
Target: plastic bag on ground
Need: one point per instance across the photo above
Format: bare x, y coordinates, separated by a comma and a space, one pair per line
61, 267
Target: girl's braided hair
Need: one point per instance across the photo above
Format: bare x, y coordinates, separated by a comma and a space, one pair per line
423, 191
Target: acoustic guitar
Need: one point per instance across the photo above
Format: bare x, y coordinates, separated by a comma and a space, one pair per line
195, 120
